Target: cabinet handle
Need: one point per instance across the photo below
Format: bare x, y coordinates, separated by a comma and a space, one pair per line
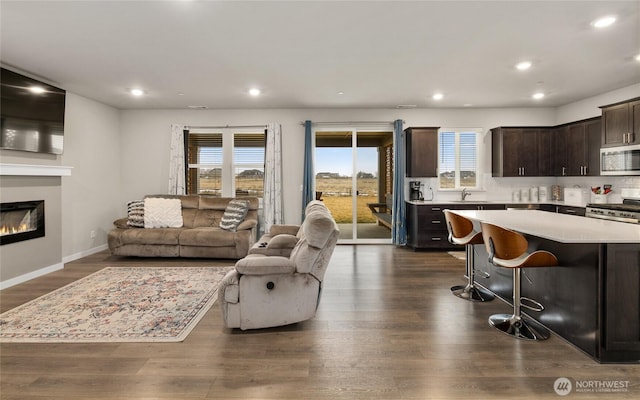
564, 171
436, 209
435, 222
569, 211
436, 239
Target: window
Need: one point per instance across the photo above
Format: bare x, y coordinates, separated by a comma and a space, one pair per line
458, 158
248, 164
205, 159
226, 163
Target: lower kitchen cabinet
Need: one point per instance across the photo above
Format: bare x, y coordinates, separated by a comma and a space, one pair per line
427, 228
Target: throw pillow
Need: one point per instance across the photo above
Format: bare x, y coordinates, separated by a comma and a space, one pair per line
135, 214
234, 214
162, 213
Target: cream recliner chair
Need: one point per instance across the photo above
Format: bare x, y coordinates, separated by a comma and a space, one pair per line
266, 291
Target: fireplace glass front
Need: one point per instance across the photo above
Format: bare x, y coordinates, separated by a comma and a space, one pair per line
21, 221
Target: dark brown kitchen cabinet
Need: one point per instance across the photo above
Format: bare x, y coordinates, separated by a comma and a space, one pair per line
577, 148
621, 123
421, 152
426, 225
521, 151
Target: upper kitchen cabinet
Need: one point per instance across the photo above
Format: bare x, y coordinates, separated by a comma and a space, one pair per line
621, 123
577, 148
519, 151
422, 152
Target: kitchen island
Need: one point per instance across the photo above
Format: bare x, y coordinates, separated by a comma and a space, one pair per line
592, 298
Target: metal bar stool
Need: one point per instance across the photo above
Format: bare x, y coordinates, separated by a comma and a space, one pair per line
508, 249
461, 232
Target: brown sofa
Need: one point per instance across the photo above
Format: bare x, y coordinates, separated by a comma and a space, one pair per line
199, 237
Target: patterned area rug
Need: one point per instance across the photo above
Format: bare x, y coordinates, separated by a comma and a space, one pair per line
123, 304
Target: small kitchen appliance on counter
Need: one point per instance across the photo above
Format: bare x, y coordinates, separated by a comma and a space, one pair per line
414, 190
627, 211
543, 193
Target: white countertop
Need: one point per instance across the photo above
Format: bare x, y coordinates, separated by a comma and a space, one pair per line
481, 202
561, 228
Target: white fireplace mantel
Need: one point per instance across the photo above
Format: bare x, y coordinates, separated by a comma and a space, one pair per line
34, 170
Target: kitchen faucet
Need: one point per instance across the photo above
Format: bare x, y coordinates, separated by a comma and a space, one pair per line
464, 194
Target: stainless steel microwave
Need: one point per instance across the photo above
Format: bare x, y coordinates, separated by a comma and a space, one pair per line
623, 160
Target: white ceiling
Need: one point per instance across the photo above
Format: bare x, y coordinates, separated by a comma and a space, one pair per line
381, 54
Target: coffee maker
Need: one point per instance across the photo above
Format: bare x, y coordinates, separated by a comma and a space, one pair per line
414, 190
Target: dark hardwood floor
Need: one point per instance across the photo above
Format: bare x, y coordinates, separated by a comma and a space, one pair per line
387, 328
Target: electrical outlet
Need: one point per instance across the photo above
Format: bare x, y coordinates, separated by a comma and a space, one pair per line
92, 234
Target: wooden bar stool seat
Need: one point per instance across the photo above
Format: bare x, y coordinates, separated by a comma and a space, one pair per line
509, 249
461, 232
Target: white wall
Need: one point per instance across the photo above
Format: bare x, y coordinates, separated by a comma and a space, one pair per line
146, 133
590, 107
91, 195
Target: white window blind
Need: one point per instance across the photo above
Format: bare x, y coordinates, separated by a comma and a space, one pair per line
458, 158
206, 161
248, 164
226, 163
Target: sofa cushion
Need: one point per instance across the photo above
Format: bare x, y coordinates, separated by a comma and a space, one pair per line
151, 236
258, 264
207, 218
135, 214
162, 213
318, 227
212, 236
234, 214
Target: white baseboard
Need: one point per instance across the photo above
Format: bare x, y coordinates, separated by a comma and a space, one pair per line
85, 253
30, 275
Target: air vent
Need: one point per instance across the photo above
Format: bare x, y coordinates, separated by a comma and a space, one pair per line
198, 107
406, 106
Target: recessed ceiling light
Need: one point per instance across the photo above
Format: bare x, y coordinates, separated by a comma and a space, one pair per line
524, 65
538, 95
637, 57
340, 93
604, 21
438, 96
37, 89
254, 92
136, 92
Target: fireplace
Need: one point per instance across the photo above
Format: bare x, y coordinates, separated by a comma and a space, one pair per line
21, 221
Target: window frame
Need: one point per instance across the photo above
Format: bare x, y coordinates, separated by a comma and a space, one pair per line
457, 170
228, 166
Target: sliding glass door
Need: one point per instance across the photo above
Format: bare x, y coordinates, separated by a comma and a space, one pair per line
354, 179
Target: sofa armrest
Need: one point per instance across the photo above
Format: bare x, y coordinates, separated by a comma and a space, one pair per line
247, 225
121, 223
282, 241
257, 264
282, 229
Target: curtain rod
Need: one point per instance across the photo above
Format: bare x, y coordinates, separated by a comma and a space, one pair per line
225, 126
351, 123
